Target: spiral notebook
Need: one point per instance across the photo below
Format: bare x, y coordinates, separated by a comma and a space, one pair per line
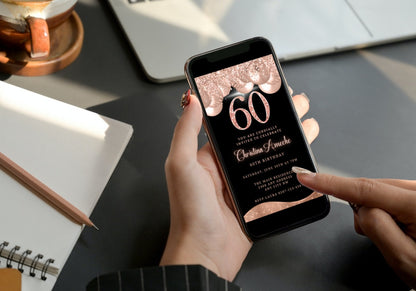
71, 150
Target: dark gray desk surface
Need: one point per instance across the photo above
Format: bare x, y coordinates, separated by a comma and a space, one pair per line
364, 100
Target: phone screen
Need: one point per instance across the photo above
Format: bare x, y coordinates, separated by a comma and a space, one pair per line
257, 136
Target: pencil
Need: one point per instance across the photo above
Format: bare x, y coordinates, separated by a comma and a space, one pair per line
43, 191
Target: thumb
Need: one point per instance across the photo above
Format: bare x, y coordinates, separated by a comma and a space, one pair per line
185, 137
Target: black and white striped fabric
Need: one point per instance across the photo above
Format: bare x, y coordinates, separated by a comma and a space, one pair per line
163, 278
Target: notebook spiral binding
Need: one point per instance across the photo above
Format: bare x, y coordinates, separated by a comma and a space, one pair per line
36, 264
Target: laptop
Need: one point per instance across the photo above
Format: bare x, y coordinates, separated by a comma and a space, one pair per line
165, 33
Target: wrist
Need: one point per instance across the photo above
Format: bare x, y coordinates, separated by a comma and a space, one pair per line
186, 251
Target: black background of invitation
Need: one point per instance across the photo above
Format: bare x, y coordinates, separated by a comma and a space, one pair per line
283, 116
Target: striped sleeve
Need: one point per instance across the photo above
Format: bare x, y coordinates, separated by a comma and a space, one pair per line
164, 278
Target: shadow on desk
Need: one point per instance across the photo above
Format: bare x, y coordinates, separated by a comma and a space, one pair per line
325, 255
133, 217
133, 211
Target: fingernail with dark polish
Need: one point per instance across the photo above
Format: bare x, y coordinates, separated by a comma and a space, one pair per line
186, 97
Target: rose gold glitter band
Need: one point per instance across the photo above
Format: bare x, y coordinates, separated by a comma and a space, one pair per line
215, 86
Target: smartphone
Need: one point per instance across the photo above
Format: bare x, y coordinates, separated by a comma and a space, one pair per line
256, 135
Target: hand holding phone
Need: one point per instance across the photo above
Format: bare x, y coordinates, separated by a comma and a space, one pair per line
256, 136
203, 227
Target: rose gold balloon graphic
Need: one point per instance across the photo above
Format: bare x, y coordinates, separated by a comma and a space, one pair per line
215, 86
258, 71
239, 81
243, 87
273, 83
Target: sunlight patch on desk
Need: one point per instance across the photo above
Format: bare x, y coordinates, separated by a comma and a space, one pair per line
396, 71
52, 112
80, 95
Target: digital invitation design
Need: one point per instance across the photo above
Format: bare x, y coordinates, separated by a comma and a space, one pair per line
258, 136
